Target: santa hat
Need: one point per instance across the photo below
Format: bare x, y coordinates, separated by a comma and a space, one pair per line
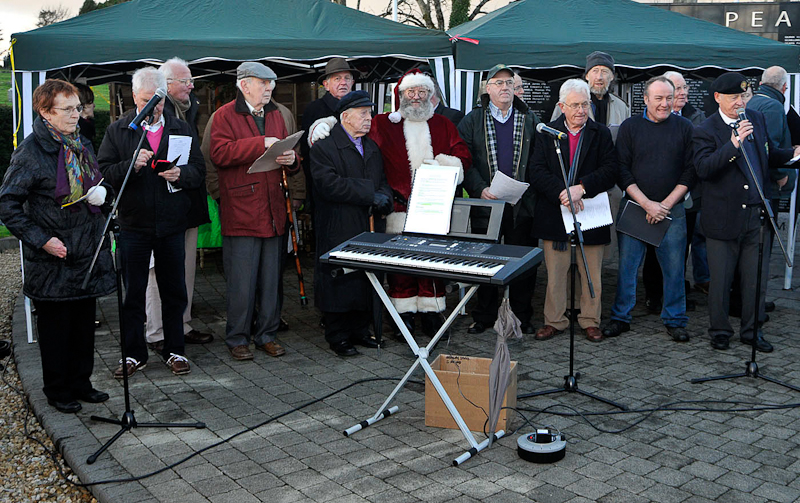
412, 78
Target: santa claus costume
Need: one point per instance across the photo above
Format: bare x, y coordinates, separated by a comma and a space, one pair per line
406, 140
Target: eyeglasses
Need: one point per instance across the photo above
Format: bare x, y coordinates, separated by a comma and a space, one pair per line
517, 88
70, 110
502, 83
185, 82
422, 93
576, 106
682, 88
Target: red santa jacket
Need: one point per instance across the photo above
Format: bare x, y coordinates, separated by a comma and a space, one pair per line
250, 205
405, 145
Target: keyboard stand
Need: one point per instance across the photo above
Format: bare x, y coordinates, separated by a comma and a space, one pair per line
422, 354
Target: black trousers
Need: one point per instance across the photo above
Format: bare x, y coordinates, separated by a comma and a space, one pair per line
520, 292
651, 272
741, 252
169, 252
66, 343
340, 327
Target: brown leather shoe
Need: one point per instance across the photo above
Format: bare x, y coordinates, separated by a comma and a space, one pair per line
132, 365
178, 364
241, 353
546, 332
273, 349
593, 334
195, 337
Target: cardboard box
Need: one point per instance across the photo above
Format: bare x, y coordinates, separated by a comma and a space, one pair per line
473, 383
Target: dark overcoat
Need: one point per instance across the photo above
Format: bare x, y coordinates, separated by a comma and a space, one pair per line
146, 206
30, 212
597, 172
722, 169
344, 186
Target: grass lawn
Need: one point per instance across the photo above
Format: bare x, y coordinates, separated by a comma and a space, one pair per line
100, 92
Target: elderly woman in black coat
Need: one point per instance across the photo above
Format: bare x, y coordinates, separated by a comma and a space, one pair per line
349, 186
50, 199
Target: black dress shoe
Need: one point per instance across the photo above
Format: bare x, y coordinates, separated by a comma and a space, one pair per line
344, 348
616, 327
93, 396
65, 407
769, 306
431, 323
678, 334
761, 344
527, 328
476, 328
366, 340
408, 319
720, 341
653, 305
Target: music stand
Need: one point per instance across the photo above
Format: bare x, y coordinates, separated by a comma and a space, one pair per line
576, 240
127, 421
765, 213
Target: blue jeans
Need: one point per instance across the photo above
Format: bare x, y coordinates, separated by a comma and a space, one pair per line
699, 255
670, 256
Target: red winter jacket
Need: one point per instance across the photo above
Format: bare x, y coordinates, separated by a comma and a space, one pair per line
250, 205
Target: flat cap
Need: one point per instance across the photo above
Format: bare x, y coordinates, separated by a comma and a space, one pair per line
354, 99
497, 69
254, 69
730, 83
599, 58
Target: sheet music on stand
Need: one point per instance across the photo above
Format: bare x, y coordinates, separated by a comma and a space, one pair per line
431, 201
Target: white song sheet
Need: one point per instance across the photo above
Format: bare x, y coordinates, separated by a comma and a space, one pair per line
596, 213
431, 201
506, 188
179, 148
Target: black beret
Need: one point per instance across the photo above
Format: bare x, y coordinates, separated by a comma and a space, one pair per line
730, 83
354, 99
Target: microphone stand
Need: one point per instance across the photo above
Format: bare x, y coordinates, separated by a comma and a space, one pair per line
751, 367
127, 421
576, 240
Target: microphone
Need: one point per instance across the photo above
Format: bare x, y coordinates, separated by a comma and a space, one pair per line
555, 133
743, 117
148, 109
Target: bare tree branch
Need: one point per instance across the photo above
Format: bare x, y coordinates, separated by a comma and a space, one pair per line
50, 15
437, 4
477, 10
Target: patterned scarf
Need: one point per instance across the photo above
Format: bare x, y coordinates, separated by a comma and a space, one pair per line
491, 141
80, 167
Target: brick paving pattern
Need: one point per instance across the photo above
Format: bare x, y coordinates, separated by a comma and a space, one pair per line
675, 456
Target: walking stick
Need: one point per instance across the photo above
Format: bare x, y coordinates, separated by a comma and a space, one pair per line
303, 299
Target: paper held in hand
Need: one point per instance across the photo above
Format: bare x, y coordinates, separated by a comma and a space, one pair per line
267, 161
506, 188
596, 213
430, 204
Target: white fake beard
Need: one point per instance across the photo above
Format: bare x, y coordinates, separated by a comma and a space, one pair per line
415, 114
